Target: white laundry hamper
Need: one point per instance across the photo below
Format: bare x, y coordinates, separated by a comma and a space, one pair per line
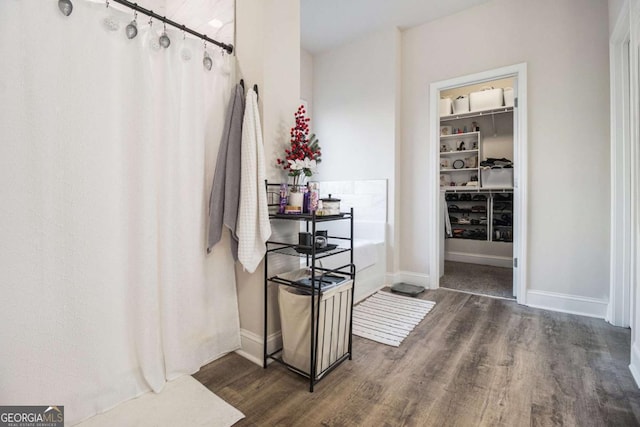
333, 324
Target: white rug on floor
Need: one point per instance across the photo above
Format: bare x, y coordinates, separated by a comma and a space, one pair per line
182, 402
388, 318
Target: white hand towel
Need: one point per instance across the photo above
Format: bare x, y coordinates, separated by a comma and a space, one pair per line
253, 227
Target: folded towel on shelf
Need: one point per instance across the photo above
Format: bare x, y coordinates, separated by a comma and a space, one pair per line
492, 162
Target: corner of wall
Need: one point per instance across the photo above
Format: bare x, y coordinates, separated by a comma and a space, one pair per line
261, 25
634, 366
252, 345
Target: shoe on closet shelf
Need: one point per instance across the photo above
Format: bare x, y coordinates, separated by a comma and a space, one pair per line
502, 196
464, 220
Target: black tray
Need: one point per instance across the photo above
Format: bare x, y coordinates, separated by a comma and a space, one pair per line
308, 249
341, 214
328, 281
407, 289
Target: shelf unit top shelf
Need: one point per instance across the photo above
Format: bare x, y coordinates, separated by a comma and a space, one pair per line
444, 153
459, 170
464, 189
459, 135
492, 112
310, 217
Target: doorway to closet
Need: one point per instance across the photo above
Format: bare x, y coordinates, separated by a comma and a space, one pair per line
478, 147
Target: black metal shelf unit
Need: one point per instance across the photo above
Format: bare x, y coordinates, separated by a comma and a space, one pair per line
317, 275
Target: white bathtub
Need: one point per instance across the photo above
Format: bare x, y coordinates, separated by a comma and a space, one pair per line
368, 254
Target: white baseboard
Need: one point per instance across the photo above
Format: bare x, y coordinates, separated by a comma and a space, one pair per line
634, 366
389, 279
251, 345
584, 306
496, 261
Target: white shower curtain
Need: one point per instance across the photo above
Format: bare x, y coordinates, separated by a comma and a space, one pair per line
107, 151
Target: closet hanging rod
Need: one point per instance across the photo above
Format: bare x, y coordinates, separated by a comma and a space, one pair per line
164, 20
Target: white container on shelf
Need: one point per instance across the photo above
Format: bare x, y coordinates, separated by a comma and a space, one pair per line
508, 97
461, 105
497, 178
487, 98
445, 107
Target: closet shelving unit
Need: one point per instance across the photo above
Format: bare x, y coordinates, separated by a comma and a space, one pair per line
458, 164
310, 256
490, 219
472, 114
451, 154
502, 217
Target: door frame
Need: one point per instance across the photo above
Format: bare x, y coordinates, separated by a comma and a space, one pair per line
621, 258
435, 209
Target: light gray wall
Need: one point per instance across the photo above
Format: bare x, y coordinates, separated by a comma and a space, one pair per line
306, 81
615, 8
277, 74
565, 45
355, 103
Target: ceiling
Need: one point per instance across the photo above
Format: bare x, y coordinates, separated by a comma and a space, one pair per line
324, 23
329, 23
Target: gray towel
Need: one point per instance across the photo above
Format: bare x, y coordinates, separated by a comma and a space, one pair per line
225, 192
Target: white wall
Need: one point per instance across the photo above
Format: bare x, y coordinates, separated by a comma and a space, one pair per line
615, 8
306, 80
567, 57
633, 152
268, 51
355, 97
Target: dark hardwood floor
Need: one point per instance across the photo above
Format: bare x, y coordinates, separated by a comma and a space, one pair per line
473, 361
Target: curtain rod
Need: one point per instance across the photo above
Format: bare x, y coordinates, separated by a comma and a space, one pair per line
151, 13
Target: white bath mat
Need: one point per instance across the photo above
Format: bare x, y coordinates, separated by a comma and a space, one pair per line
388, 318
182, 402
